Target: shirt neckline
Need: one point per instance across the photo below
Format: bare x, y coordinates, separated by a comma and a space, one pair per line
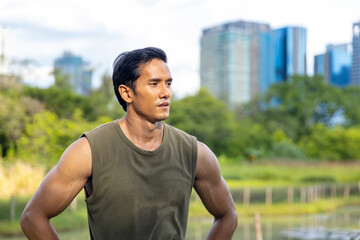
136, 148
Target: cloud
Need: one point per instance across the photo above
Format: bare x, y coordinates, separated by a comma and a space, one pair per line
100, 30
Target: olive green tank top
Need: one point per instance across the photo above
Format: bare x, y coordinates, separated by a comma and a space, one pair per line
139, 194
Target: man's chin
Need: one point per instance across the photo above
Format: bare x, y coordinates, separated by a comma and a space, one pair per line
161, 118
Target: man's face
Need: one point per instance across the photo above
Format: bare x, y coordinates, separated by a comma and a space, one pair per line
153, 92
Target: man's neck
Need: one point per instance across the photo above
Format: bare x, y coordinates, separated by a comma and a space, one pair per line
144, 134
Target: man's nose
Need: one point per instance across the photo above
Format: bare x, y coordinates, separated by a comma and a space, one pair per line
166, 91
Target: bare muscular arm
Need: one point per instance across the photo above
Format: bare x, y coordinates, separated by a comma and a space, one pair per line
215, 194
57, 190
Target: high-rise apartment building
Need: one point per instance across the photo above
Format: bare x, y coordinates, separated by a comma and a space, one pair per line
335, 64
79, 72
355, 69
236, 60
290, 52
4, 61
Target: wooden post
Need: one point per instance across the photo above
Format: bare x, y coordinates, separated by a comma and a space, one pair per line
359, 187
247, 196
290, 195
246, 228
12, 208
268, 230
303, 195
258, 226
315, 192
309, 194
347, 191
333, 190
268, 196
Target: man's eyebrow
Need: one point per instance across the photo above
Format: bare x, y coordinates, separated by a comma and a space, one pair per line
158, 80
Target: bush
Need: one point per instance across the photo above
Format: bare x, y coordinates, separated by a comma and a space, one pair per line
285, 150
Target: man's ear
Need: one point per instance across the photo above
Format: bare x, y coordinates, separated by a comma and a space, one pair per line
126, 93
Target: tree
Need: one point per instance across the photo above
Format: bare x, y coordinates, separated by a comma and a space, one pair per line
15, 111
350, 100
46, 136
104, 101
296, 106
338, 143
205, 117
62, 80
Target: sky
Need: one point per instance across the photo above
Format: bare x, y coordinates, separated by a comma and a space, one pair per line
98, 31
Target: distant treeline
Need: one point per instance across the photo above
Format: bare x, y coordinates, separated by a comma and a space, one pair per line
304, 118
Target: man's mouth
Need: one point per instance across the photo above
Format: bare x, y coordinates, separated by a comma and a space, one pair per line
164, 104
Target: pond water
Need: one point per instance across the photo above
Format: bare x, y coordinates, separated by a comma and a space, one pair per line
342, 224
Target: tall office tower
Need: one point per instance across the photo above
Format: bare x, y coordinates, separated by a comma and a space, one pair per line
79, 72
4, 62
290, 52
319, 64
355, 69
236, 60
335, 64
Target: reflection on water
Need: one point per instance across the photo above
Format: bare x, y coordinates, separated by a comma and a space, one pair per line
341, 224
321, 233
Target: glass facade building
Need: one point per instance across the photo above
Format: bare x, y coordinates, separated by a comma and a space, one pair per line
290, 52
319, 64
335, 64
236, 60
79, 72
355, 69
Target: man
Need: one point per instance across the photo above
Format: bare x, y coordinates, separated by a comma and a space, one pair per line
138, 172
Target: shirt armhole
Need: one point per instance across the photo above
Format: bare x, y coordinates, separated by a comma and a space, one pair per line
95, 167
194, 159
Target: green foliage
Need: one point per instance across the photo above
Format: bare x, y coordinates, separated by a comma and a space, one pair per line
47, 136
64, 101
206, 118
285, 150
336, 143
292, 120
15, 111
62, 80
350, 98
295, 106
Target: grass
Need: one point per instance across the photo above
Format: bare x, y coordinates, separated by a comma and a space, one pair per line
197, 210
287, 173
67, 220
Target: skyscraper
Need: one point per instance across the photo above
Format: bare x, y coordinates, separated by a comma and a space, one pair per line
355, 69
319, 64
236, 60
290, 52
335, 64
79, 72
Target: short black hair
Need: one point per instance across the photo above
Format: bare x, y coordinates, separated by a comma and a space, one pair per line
127, 68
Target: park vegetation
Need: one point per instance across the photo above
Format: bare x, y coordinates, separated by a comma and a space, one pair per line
303, 118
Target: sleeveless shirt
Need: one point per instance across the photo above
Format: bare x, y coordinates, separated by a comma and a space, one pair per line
139, 194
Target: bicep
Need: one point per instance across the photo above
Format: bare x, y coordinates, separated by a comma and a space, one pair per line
210, 185
63, 182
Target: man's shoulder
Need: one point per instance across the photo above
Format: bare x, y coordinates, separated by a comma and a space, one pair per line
104, 128
178, 132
